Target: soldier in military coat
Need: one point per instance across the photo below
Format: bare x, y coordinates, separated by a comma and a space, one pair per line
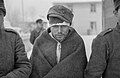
105, 58
37, 31
13, 59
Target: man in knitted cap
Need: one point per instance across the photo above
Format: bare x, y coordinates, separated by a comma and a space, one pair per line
59, 52
105, 58
13, 59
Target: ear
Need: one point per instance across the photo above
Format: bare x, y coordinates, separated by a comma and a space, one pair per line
115, 13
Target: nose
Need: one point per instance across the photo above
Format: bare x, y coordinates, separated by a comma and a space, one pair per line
59, 29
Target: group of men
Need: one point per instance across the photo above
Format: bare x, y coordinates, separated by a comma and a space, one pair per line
59, 51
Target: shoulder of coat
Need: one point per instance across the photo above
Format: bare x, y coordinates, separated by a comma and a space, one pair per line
105, 32
10, 30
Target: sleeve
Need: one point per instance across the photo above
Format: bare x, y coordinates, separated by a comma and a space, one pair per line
32, 37
22, 67
72, 66
97, 62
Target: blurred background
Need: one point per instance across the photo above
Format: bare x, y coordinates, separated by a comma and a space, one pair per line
90, 17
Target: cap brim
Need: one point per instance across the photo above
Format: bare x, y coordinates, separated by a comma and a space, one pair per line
55, 15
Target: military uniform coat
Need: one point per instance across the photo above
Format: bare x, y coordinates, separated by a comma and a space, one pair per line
35, 33
13, 59
105, 58
72, 62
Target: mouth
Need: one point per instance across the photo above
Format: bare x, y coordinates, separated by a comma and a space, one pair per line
59, 36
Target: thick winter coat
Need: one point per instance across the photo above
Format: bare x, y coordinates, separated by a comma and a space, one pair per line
72, 62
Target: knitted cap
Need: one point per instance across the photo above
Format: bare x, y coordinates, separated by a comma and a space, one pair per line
61, 12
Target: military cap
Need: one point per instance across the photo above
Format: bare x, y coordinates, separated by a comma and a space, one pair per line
116, 3
39, 21
61, 12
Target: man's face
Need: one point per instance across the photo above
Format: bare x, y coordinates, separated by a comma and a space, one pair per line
39, 25
59, 31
